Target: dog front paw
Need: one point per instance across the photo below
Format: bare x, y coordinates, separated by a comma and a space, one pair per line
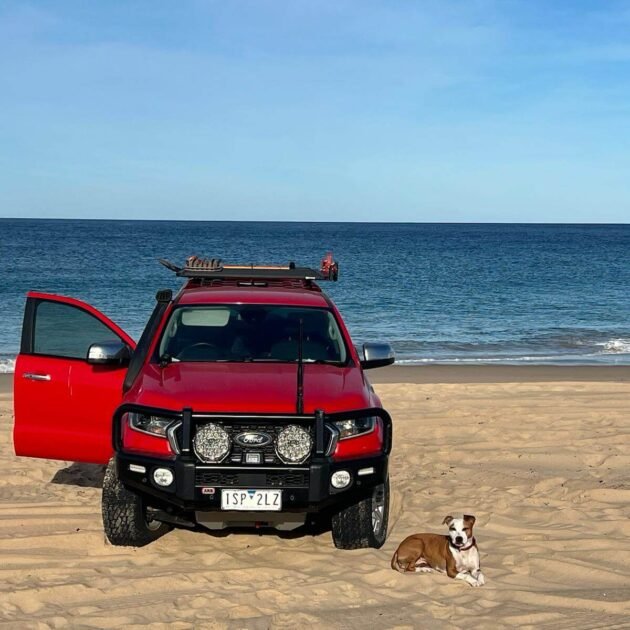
481, 580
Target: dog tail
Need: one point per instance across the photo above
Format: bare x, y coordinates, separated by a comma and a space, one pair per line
395, 565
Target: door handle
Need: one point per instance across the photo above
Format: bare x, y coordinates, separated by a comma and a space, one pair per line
36, 377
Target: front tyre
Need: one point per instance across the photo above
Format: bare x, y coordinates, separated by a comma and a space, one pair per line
125, 517
363, 524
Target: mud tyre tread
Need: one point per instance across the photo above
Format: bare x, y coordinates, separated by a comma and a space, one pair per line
124, 514
352, 526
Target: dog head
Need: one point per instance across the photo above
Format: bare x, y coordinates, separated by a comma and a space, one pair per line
460, 530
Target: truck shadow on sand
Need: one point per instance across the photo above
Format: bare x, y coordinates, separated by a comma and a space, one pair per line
81, 475
308, 530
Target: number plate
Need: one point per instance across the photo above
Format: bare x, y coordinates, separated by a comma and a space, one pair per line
251, 500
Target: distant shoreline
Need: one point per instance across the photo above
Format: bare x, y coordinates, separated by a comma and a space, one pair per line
432, 374
500, 374
533, 223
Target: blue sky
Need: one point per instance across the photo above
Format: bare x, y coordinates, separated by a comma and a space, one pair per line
361, 111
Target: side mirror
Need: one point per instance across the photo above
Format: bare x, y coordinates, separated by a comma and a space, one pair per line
377, 355
109, 353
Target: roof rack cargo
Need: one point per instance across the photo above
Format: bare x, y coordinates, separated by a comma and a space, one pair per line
214, 268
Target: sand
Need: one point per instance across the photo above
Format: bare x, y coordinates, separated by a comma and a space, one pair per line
543, 464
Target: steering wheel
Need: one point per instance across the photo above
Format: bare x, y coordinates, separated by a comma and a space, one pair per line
197, 350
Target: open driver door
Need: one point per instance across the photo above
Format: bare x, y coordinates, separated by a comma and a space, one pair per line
64, 402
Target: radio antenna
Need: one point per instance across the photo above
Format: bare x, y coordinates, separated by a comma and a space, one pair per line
300, 370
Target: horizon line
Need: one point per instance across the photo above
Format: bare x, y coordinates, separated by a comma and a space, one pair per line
96, 219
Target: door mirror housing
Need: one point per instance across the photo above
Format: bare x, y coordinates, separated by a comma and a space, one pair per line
109, 353
377, 355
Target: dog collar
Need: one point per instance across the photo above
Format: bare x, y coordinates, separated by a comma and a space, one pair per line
470, 544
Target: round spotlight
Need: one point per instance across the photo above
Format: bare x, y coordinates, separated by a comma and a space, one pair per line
211, 443
163, 477
340, 479
293, 444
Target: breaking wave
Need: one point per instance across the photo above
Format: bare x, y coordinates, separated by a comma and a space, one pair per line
7, 365
423, 352
616, 346
568, 347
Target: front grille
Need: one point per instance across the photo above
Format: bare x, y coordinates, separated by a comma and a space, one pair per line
268, 456
253, 479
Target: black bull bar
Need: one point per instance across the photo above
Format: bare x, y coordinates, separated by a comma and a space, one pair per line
189, 417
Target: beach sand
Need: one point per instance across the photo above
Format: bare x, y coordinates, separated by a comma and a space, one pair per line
543, 462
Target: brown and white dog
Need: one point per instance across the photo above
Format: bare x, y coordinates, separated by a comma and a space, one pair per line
457, 553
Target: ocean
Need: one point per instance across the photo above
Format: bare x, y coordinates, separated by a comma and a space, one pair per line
440, 293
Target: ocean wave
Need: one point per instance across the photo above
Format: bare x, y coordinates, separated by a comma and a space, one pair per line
7, 366
616, 346
479, 360
586, 350
567, 343
423, 352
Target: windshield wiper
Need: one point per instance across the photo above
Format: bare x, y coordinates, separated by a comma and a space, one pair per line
305, 361
253, 360
323, 362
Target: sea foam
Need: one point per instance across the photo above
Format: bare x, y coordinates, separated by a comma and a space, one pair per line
7, 366
616, 346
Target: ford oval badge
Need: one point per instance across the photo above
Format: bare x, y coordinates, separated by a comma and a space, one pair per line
253, 439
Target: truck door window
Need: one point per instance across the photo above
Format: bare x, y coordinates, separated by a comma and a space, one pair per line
62, 330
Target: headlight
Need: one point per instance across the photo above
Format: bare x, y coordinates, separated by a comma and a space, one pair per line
153, 425
293, 444
211, 443
354, 427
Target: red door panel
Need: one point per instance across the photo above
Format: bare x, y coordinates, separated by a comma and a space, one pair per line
63, 405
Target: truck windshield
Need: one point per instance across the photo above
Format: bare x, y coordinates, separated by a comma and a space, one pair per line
242, 332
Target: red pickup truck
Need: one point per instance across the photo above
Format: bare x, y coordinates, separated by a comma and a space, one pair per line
244, 403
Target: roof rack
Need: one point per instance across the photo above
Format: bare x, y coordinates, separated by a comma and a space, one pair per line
213, 268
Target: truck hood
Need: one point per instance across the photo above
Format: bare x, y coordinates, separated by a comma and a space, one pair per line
249, 387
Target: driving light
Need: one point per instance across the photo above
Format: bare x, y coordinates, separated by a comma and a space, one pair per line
153, 425
211, 443
340, 479
293, 444
353, 427
163, 477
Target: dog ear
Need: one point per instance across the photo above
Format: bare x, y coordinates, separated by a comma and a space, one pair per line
447, 520
469, 519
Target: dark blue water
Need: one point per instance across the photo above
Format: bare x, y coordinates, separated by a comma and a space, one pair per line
438, 292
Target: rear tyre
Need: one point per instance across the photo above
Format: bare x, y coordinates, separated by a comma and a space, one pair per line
126, 520
363, 524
